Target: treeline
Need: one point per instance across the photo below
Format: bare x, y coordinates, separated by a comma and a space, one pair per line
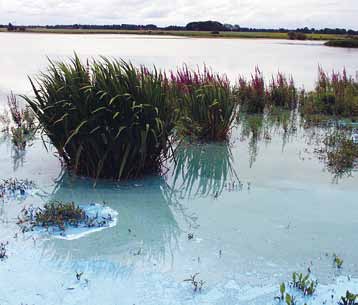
192, 26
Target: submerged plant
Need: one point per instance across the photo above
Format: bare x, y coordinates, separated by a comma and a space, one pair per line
196, 283
107, 120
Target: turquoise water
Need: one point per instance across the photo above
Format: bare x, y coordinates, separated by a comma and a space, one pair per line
259, 208
253, 224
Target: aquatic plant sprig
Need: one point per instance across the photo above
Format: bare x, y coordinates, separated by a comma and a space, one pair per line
196, 283
300, 282
285, 297
338, 262
349, 299
3, 250
303, 283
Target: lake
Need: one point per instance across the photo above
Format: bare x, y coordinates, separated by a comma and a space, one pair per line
244, 215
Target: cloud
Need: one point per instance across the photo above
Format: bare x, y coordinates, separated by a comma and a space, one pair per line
255, 13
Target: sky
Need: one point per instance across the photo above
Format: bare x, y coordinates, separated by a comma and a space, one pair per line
252, 13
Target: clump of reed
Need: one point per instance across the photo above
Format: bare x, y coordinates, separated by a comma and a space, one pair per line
256, 96
252, 93
335, 94
282, 92
206, 102
106, 120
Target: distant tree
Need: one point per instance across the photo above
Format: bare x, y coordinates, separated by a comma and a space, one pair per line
10, 27
151, 27
205, 26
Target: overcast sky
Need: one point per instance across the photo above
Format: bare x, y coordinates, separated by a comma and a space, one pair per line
255, 13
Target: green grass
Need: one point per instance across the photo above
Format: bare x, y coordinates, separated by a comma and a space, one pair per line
343, 43
194, 34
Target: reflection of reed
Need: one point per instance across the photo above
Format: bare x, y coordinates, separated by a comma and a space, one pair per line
203, 170
262, 127
146, 229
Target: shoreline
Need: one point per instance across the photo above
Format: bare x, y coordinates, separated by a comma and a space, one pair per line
183, 34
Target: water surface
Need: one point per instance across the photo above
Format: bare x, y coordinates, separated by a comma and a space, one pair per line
259, 207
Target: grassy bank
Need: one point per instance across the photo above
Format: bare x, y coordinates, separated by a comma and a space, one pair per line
194, 34
343, 43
